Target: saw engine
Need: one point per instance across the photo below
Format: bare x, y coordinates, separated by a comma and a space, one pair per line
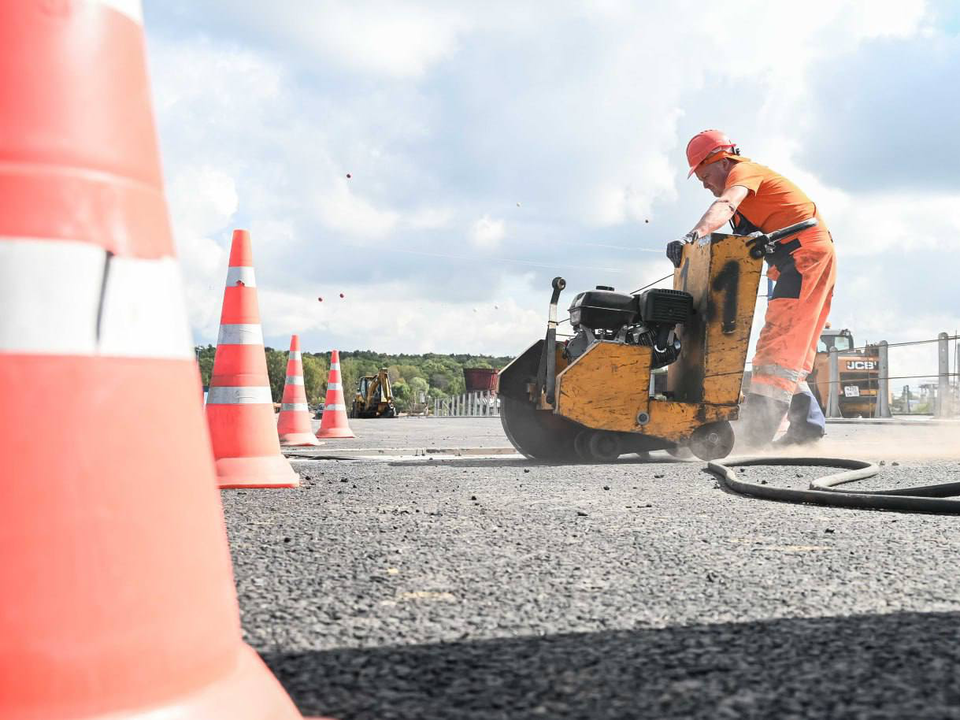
649, 319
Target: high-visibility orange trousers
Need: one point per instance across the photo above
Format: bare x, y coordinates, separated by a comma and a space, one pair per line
796, 314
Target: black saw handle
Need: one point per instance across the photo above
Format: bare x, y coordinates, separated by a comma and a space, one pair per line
764, 244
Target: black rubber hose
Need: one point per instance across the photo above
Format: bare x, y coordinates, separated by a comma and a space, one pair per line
824, 491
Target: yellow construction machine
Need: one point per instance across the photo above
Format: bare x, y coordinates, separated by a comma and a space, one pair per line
590, 398
374, 397
859, 371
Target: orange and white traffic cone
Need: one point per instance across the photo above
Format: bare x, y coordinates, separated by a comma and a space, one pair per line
118, 597
293, 425
239, 404
333, 423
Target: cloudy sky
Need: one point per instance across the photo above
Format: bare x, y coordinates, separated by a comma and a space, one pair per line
492, 145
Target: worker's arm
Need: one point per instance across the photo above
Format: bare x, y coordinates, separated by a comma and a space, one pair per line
721, 210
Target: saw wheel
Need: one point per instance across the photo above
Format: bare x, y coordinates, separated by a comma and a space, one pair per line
538, 434
712, 441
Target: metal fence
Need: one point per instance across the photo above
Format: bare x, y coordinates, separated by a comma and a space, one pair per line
475, 404
940, 397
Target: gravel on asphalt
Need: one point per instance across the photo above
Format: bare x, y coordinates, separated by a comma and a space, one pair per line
504, 588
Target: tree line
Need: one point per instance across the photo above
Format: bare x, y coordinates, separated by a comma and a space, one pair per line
429, 376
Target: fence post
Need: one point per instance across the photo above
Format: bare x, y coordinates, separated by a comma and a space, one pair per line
943, 381
882, 408
833, 393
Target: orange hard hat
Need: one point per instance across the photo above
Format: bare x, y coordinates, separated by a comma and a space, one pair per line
704, 143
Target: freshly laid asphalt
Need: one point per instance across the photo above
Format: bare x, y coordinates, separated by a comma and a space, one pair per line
494, 587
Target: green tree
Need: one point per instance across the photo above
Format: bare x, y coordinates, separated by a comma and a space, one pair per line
418, 387
205, 356
315, 372
276, 371
402, 395
393, 373
408, 372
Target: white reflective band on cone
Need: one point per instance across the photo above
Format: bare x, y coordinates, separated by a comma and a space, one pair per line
251, 334
335, 366
223, 395
294, 355
334, 406
294, 406
294, 380
334, 386
130, 8
243, 275
50, 302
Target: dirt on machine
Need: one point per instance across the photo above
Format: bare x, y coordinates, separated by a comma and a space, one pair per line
590, 398
374, 397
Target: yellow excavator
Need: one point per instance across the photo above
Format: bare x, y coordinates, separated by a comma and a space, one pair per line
590, 399
374, 397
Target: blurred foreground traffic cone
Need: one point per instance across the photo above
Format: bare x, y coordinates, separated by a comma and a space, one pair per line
117, 595
293, 426
239, 404
333, 423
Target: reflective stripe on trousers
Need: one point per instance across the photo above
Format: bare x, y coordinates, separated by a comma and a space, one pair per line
788, 341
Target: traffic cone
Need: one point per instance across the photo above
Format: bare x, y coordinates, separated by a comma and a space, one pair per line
115, 578
293, 426
333, 423
239, 404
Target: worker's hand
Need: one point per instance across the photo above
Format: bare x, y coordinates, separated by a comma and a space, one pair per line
758, 244
675, 248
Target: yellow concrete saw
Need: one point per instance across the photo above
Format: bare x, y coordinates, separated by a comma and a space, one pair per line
590, 398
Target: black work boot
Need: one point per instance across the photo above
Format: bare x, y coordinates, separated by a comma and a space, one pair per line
760, 418
807, 423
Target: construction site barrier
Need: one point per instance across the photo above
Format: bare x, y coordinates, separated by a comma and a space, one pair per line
475, 404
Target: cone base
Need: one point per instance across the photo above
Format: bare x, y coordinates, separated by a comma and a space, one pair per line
335, 432
299, 439
248, 691
256, 472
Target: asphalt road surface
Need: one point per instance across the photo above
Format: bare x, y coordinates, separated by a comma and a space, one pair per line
494, 587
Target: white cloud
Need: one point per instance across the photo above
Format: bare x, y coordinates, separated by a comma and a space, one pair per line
487, 233
430, 218
202, 200
374, 37
410, 323
339, 209
448, 113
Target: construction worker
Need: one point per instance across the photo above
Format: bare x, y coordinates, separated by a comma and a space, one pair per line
755, 198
